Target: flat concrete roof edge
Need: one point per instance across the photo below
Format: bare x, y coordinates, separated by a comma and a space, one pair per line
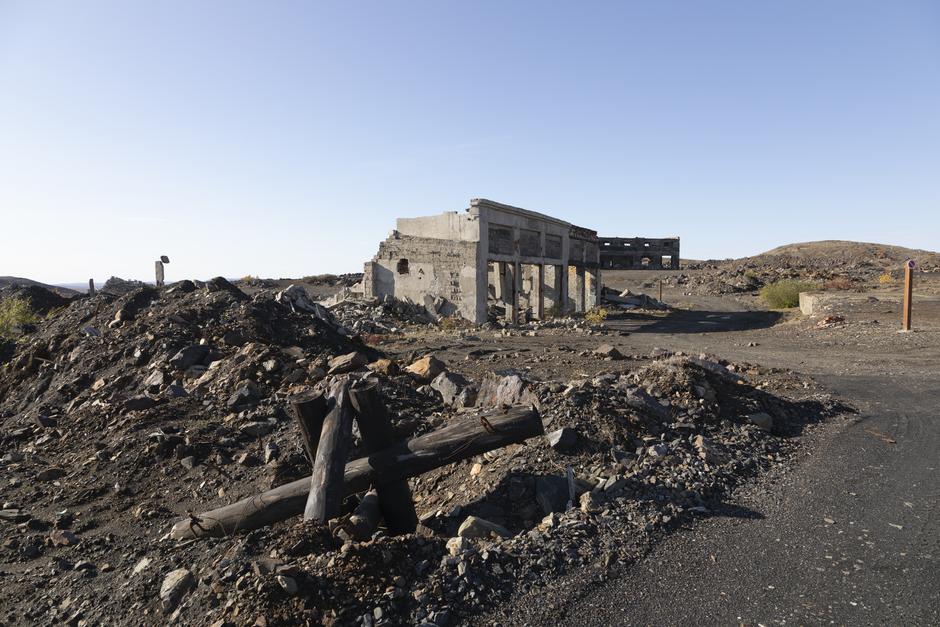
485, 202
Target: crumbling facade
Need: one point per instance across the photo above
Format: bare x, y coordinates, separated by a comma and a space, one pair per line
530, 264
639, 253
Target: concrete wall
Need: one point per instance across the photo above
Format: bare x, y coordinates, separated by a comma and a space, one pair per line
435, 267
625, 253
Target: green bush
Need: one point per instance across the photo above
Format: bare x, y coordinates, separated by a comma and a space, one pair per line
15, 312
785, 293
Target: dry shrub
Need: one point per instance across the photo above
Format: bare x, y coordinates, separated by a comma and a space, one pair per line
15, 312
596, 315
785, 294
886, 279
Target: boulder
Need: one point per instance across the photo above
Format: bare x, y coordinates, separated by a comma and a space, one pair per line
608, 351
455, 389
347, 363
426, 368
474, 527
497, 391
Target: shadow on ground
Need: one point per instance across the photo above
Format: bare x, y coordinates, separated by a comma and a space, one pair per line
681, 321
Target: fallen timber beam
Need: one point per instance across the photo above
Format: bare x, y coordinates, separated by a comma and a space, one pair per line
462, 438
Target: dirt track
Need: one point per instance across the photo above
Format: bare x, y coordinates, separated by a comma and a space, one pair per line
850, 534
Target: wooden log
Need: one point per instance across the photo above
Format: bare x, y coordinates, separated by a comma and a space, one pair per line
325, 499
462, 438
394, 498
364, 521
309, 409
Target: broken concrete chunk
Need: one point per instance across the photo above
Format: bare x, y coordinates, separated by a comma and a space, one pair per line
427, 368
562, 440
474, 527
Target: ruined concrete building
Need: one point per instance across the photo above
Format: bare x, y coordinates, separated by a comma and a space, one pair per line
639, 253
490, 257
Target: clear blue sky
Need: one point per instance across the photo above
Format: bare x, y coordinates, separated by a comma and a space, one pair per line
283, 138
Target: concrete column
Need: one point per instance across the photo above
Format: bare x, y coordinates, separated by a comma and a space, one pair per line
538, 292
592, 290
516, 288
553, 294
498, 274
578, 289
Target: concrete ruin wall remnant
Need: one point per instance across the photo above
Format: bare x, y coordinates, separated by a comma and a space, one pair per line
491, 252
639, 253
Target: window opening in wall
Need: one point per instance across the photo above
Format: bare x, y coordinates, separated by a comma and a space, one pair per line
402, 266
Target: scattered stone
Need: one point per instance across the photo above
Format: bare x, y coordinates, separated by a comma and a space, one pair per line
289, 584
385, 366
175, 585
426, 368
562, 440
62, 537
608, 351
50, 474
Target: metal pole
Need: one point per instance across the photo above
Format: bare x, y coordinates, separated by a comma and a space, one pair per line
660, 290
908, 292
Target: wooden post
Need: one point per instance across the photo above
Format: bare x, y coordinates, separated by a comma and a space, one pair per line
325, 499
309, 409
660, 290
908, 293
395, 500
462, 438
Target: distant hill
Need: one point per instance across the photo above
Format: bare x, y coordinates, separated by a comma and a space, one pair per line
840, 252
7, 281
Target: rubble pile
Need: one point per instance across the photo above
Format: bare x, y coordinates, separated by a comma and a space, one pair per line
646, 451
122, 415
41, 301
373, 316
